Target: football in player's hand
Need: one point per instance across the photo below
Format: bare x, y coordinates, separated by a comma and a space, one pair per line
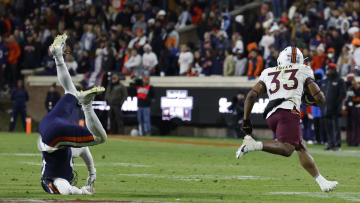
307, 99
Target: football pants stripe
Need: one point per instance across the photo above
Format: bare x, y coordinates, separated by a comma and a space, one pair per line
71, 139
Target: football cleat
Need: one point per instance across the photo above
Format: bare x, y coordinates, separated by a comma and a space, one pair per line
57, 47
328, 186
248, 145
85, 97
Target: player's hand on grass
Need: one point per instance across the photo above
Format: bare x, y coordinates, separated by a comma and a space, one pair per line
91, 178
247, 127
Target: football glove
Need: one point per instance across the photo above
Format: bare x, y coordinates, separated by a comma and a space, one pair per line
247, 127
91, 178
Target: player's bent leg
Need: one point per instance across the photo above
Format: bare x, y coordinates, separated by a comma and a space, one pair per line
307, 161
274, 147
57, 50
62, 133
94, 125
91, 120
279, 148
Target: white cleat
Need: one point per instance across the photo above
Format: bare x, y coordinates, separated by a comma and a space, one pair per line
248, 145
328, 186
57, 47
85, 97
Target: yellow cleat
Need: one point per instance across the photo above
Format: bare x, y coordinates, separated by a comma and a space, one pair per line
57, 47
87, 96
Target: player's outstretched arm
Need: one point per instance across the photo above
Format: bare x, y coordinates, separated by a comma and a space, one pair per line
85, 154
315, 92
257, 91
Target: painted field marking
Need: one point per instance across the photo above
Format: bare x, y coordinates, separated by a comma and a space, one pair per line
176, 141
20, 154
347, 153
194, 177
96, 164
352, 196
75, 201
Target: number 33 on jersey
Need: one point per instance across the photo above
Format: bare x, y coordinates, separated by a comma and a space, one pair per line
286, 82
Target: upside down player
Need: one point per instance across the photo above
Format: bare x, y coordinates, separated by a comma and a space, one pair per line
61, 140
284, 85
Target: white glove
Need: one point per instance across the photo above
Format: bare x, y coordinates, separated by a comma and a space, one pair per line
91, 178
87, 190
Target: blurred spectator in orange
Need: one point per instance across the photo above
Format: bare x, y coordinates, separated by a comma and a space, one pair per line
255, 64
13, 60
318, 60
3, 61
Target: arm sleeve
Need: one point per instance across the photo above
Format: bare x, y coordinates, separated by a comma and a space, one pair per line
86, 156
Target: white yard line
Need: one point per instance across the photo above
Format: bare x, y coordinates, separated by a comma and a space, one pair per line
193, 177
96, 164
20, 154
75, 200
352, 196
347, 153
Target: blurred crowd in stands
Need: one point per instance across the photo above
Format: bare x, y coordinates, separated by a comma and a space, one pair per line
142, 37
133, 37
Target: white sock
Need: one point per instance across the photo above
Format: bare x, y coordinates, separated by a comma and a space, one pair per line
64, 76
320, 179
93, 124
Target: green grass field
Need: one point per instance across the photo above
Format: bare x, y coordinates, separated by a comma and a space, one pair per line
149, 171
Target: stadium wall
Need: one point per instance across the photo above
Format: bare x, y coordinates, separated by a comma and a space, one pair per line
207, 118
